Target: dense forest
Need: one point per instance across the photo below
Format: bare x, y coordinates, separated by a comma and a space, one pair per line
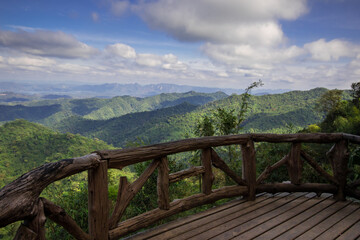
75, 127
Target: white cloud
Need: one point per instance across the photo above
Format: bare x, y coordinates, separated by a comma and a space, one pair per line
332, 50
249, 56
149, 60
46, 43
29, 63
121, 50
229, 21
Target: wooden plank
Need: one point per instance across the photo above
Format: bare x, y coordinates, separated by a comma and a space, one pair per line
235, 228
340, 227
98, 202
280, 231
352, 233
163, 184
145, 219
249, 168
286, 216
188, 220
183, 221
328, 222
246, 209
240, 217
305, 187
206, 220
309, 223
207, 176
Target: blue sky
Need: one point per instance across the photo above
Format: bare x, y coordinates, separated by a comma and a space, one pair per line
289, 44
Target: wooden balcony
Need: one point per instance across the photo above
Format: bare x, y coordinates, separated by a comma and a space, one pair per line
294, 205
280, 216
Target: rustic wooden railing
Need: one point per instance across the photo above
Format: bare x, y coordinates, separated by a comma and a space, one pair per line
20, 199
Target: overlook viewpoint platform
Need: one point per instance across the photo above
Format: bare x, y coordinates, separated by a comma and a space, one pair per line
294, 210
280, 216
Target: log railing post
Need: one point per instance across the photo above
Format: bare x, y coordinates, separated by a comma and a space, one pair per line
339, 156
295, 164
249, 168
207, 176
98, 202
33, 227
163, 184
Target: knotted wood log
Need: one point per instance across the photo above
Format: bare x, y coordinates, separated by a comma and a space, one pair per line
19, 198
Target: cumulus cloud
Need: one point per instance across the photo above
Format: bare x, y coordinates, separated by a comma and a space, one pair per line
249, 56
150, 60
30, 63
230, 21
121, 50
332, 50
46, 43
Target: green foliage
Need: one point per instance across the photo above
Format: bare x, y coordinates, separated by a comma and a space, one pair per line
329, 101
25, 146
313, 128
245, 102
205, 127
355, 93
50, 112
344, 118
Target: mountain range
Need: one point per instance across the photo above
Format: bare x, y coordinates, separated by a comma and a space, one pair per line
165, 117
108, 90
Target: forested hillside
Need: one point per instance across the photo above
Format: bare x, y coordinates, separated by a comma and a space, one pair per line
166, 117
267, 113
154, 126
25, 145
49, 112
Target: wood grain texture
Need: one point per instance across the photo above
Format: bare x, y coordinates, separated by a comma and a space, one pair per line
150, 217
339, 156
98, 202
305, 187
295, 164
249, 168
163, 184
17, 199
124, 157
207, 176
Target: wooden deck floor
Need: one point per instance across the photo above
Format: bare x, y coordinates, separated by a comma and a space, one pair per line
281, 216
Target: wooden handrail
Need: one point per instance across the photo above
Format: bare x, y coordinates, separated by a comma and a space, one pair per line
20, 200
120, 158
